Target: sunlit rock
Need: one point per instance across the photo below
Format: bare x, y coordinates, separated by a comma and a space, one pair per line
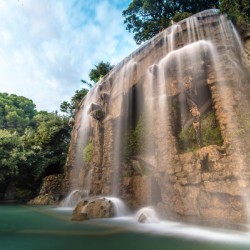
95, 208
53, 188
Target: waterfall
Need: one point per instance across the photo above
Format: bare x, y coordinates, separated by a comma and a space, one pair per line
169, 126
120, 207
74, 197
147, 215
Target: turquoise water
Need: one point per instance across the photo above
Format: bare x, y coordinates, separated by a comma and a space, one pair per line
35, 228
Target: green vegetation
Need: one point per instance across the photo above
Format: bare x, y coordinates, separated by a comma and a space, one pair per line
88, 153
180, 16
27, 144
146, 18
135, 140
210, 134
237, 10
69, 108
16, 112
100, 70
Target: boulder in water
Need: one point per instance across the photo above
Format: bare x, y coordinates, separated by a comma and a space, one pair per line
44, 199
95, 208
53, 188
147, 215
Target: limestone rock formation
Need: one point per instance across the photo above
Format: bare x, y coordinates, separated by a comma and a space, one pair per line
94, 208
169, 127
53, 189
44, 199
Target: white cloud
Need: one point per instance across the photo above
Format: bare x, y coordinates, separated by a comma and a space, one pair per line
47, 47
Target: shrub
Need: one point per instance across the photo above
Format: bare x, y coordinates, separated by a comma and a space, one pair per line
88, 153
135, 140
210, 134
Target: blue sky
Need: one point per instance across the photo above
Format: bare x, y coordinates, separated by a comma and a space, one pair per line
48, 46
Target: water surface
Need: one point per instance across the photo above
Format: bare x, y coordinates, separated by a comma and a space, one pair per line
33, 227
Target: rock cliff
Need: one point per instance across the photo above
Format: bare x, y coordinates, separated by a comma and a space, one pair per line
169, 126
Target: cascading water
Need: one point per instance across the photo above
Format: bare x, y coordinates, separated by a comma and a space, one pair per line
169, 126
80, 176
119, 206
147, 215
74, 197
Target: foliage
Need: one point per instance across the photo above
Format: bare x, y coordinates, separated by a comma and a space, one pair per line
210, 134
9, 154
88, 152
237, 10
29, 154
210, 130
187, 138
16, 112
69, 108
146, 18
180, 16
100, 70
134, 140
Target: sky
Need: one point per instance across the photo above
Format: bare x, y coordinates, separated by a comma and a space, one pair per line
48, 46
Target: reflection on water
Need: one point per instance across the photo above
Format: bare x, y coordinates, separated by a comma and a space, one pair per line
43, 228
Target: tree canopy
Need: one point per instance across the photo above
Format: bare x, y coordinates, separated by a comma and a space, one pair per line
100, 70
237, 10
16, 112
27, 145
146, 18
69, 108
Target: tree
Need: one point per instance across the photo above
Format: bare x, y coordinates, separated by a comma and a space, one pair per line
32, 144
237, 10
16, 112
100, 70
50, 130
146, 18
9, 155
69, 108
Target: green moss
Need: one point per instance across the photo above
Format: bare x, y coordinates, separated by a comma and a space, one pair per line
88, 153
187, 139
135, 140
210, 134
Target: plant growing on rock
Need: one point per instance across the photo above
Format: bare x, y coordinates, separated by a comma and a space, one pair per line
88, 152
135, 140
210, 134
238, 11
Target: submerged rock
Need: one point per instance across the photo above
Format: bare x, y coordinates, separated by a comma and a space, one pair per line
91, 209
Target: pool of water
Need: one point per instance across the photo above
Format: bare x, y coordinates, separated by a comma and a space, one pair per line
33, 227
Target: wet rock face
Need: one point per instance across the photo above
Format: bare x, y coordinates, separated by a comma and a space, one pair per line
246, 37
204, 187
91, 209
53, 189
195, 178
